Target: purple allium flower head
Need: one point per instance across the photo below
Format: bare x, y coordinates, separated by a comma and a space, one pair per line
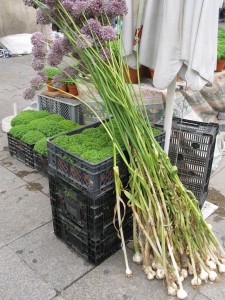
93, 26
37, 38
37, 82
57, 47
28, 2
105, 54
68, 5
79, 7
85, 41
42, 17
38, 64
39, 52
43, 75
117, 7
97, 7
50, 2
58, 80
70, 71
108, 33
28, 93
66, 46
53, 59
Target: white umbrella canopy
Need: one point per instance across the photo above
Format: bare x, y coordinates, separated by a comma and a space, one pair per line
175, 36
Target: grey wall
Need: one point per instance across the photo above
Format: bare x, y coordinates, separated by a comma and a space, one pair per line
15, 18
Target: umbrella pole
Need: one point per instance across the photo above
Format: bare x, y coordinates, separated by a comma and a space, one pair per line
169, 113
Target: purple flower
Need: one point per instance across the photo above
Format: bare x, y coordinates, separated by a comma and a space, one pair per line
38, 64
66, 46
105, 54
42, 16
39, 52
37, 82
37, 38
43, 75
58, 80
79, 7
116, 7
92, 26
108, 33
28, 2
28, 93
97, 7
50, 2
54, 59
68, 5
70, 71
85, 41
57, 47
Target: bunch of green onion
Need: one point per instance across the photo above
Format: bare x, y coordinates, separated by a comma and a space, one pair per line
171, 237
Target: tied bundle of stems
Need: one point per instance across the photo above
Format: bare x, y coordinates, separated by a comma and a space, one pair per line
171, 237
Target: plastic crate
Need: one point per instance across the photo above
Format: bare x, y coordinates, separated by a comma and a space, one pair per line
21, 150
92, 179
41, 163
95, 250
91, 214
69, 109
191, 149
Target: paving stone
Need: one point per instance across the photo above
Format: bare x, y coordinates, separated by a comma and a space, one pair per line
200, 297
217, 220
50, 258
3, 141
19, 282
58, 298
9, 181
108, 281
20, 169
220, 167
217, 181
22, 211
214, 290
44, 185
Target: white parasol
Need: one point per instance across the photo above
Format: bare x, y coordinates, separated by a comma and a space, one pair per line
175, 36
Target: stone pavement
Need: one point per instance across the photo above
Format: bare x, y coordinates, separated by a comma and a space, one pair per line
34, 264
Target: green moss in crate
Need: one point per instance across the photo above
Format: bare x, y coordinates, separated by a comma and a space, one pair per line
92, 144
95, 156
47, 127
41, 146
55, 117
19, 130
32, 137
69, 125
25, 117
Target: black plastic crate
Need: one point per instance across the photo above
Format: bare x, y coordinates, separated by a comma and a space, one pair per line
41, 163
91, 214
95, 250
70, 109
191, 149
92, 179
21, 150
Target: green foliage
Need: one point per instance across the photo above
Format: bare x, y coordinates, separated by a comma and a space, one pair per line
51, 72
221, 44
25, 117
32, 137
221, 33
19, 130
94, 156
92, 144
55, 117
69, 125
47, 127
41, 146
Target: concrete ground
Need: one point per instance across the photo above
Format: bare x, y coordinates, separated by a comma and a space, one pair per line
34, 264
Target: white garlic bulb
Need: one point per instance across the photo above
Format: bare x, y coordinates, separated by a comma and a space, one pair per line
137, 258
181, 294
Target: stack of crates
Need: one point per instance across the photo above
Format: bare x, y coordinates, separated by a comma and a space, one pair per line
83, 200
191, 149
